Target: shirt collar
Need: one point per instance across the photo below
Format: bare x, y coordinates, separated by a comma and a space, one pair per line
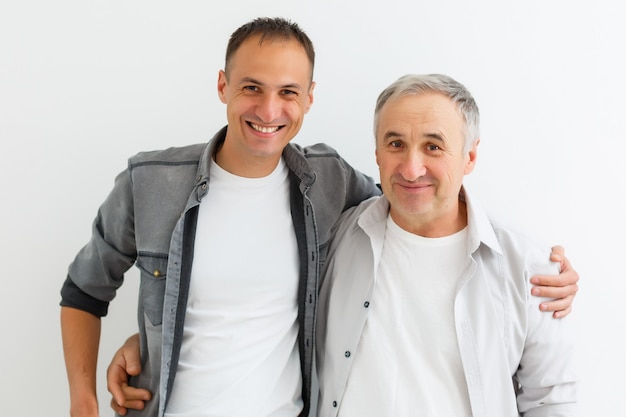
480, 231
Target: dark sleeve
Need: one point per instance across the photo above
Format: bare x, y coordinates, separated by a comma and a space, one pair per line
98, 269
360, 186
72, 296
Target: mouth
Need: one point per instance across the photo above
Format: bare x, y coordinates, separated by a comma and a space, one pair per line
264, 129
414, 187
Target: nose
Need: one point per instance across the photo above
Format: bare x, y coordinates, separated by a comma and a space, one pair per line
412, 165
268, 108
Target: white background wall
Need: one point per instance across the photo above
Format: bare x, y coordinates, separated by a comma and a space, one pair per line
85, 84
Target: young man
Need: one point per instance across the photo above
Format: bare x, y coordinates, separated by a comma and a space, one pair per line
425, 306
229, 237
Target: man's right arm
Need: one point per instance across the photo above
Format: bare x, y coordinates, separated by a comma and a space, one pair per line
81, 337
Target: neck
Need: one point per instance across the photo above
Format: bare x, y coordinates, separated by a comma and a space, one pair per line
244, 165
434, 226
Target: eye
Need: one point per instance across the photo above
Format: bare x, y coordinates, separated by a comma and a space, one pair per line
288, 92
395, 144
251, 88
432, 147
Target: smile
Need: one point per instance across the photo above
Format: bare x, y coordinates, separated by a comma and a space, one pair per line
264, 129
414, 187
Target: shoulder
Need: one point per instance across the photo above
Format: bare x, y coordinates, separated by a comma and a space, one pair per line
348, 223
329, 171
329, 168
503, 237
190, 154
512, 234
519, 247
173, 170
318, 150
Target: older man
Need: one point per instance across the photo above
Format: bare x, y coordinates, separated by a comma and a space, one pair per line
425, 306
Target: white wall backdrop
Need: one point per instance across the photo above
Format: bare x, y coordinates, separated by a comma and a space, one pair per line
85, 84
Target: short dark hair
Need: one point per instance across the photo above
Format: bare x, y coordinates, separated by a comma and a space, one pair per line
269, 28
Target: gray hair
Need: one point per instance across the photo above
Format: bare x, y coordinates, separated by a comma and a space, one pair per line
414, 84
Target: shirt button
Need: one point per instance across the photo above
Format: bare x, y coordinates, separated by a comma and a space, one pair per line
156, 273
335, 404
366, 304
347, 353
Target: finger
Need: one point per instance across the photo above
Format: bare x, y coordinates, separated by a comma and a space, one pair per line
115, 388
116, 380
133, 364
567, 277
132, 398
559, 305
135, 394
555, 292
134, 405
562, 313
558, 314
130, 353
128, 405
558, 253
117, 408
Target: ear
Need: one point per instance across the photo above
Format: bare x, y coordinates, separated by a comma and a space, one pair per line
471, 157
309, 97
222, 83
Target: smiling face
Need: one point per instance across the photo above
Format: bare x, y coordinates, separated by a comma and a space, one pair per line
419, 151
267, 92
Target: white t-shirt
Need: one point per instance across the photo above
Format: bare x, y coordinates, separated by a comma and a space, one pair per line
239, 355
408, 361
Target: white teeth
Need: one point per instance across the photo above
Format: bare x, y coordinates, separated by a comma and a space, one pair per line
264, 129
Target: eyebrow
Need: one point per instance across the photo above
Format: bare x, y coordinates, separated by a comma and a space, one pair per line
392, 134
257, 82
436, 136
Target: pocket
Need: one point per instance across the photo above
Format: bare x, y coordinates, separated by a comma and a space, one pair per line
153, 268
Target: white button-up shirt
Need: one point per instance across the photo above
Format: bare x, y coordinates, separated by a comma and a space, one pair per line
516, 359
